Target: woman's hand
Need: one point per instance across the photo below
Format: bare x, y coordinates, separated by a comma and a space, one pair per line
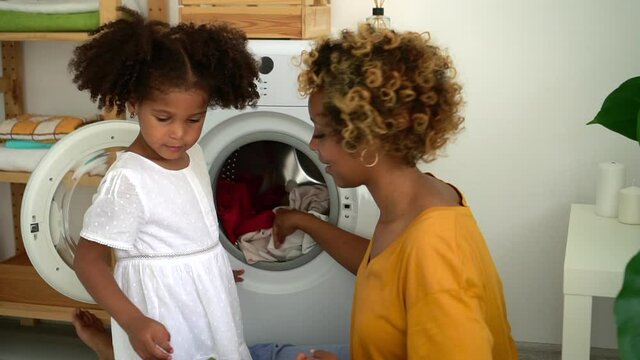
285, 223
149, 338
317, 354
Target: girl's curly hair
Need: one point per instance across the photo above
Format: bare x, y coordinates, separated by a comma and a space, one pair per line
386, 86
132, 58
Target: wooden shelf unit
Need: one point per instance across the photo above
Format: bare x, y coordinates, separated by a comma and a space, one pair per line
14, 177
156, 8
23, 293
53, 36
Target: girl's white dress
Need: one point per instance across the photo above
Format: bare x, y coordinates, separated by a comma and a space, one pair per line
170, 263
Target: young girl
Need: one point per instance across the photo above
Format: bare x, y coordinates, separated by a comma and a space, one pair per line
172, 293
426, 285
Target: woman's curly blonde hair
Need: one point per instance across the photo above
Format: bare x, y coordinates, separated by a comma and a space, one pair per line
396, 88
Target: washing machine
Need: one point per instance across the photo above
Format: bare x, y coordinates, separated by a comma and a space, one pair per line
306, 300
303, 300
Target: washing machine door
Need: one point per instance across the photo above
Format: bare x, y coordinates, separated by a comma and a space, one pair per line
58, 193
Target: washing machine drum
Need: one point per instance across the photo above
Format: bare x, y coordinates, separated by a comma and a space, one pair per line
268, 150
252, 183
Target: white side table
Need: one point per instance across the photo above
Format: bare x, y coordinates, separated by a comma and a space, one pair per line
598, 250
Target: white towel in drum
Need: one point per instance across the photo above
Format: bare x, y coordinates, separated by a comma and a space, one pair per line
310, 198
260, 246
296, 244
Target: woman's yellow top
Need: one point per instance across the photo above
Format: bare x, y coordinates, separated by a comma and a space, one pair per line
434, 293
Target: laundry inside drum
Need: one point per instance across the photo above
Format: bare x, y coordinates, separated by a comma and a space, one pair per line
254, 181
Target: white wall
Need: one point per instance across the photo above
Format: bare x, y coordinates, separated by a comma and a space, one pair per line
534, 73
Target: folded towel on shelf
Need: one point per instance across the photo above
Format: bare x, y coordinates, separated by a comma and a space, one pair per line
46, 128
22, 21
50, 6
26, 144
20, 159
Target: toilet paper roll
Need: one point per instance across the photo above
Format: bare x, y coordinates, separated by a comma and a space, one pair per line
611, 178
629, 205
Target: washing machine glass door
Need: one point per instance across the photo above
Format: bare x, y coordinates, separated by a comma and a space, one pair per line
59, 192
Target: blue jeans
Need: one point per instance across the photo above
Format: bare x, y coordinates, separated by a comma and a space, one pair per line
272, 351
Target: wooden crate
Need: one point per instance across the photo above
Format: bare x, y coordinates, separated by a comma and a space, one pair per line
270, 19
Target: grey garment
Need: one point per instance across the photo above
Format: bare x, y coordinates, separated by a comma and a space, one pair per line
272, 351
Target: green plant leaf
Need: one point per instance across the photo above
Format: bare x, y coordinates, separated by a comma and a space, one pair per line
638, 129
619, 112
627, 311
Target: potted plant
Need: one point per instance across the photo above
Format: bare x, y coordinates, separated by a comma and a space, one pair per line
620, 112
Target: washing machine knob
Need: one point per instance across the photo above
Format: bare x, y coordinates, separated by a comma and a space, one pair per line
266, 65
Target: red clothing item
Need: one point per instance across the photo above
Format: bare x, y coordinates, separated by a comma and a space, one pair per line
241, 209
232, 201
263, 220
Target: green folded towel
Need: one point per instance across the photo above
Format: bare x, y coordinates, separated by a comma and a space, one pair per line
16, 21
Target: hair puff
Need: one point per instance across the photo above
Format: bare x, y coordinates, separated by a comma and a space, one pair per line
131, 58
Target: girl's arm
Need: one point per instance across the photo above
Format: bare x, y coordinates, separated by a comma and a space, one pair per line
91, 264
346, 248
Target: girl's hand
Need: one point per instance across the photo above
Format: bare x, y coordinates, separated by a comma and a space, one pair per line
317, 354
284, 225
237, 275
149, 338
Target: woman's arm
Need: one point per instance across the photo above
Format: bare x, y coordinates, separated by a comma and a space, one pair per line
346, 248
91, 264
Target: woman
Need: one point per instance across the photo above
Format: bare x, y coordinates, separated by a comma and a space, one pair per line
426, 285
